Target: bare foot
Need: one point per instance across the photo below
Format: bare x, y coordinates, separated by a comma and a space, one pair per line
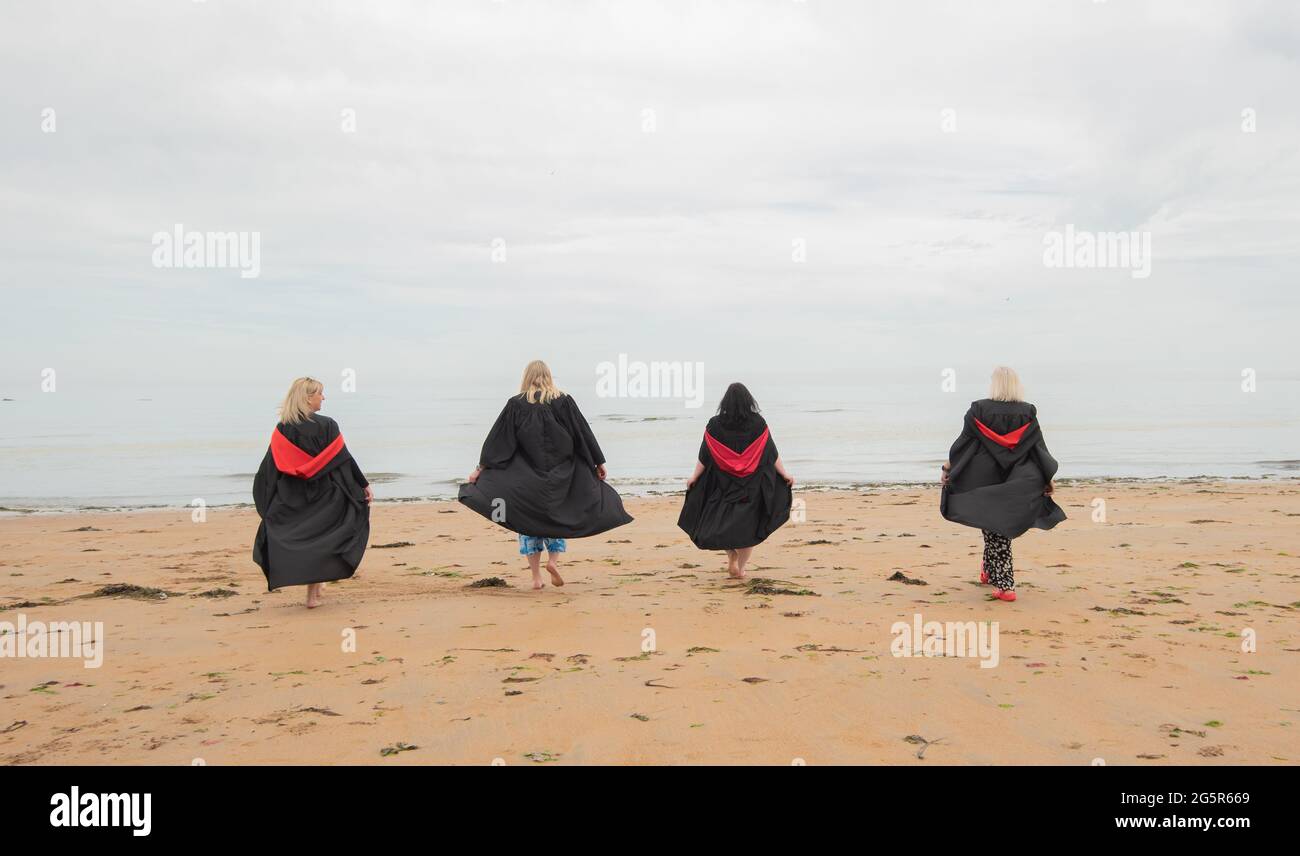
313, 595
556, 579
736, 575
538, 585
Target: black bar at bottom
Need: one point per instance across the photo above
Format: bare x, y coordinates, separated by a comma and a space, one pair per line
208, 805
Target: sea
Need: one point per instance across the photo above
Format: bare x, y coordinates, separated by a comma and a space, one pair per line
128, 448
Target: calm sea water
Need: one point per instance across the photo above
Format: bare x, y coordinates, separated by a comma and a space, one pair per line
63, 451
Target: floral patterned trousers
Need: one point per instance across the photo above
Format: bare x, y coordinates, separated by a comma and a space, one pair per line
997, 561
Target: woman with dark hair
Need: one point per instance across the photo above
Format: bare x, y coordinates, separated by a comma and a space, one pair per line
313, 499
998, 477
740, 492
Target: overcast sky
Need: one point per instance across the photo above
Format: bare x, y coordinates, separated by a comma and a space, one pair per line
648, 168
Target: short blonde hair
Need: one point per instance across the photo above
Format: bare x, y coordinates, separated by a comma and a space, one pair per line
537, 385
1005, 385
296, 408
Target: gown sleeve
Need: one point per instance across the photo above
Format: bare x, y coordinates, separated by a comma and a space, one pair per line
499, 447
583, 434
965, 437
1044, 458
264, 484
331, 433
705, 456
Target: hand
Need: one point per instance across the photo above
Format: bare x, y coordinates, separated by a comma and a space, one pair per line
789, 479
943, 479
600, 472
690, 482
370, 494
473, 477
1050, 489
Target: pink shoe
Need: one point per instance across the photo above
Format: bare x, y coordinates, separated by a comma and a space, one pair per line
1008, 596
984, 575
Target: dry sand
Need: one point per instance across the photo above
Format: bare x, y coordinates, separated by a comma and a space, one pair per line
1125, 644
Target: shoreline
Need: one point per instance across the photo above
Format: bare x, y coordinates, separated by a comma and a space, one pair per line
9, 512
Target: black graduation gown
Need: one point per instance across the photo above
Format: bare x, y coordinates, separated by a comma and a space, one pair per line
313, 529
539, 473
727, 512
998, 488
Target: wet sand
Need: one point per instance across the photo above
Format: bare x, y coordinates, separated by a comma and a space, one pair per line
1125, 645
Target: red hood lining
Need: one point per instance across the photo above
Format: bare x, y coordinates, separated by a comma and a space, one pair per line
738, 464
291, 460
1009, 440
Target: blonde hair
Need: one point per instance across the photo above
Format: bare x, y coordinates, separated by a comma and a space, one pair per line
296, 408
537, 385
1005, 385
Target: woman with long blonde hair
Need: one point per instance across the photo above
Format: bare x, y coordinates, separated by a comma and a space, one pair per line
313, 499
541, 474
998, 477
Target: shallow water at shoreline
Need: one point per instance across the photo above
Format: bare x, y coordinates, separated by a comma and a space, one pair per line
65, 452
664, 491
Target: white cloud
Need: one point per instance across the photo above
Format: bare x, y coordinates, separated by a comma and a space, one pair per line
773, 122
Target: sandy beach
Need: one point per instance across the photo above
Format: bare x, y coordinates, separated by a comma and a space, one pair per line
1125, 645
